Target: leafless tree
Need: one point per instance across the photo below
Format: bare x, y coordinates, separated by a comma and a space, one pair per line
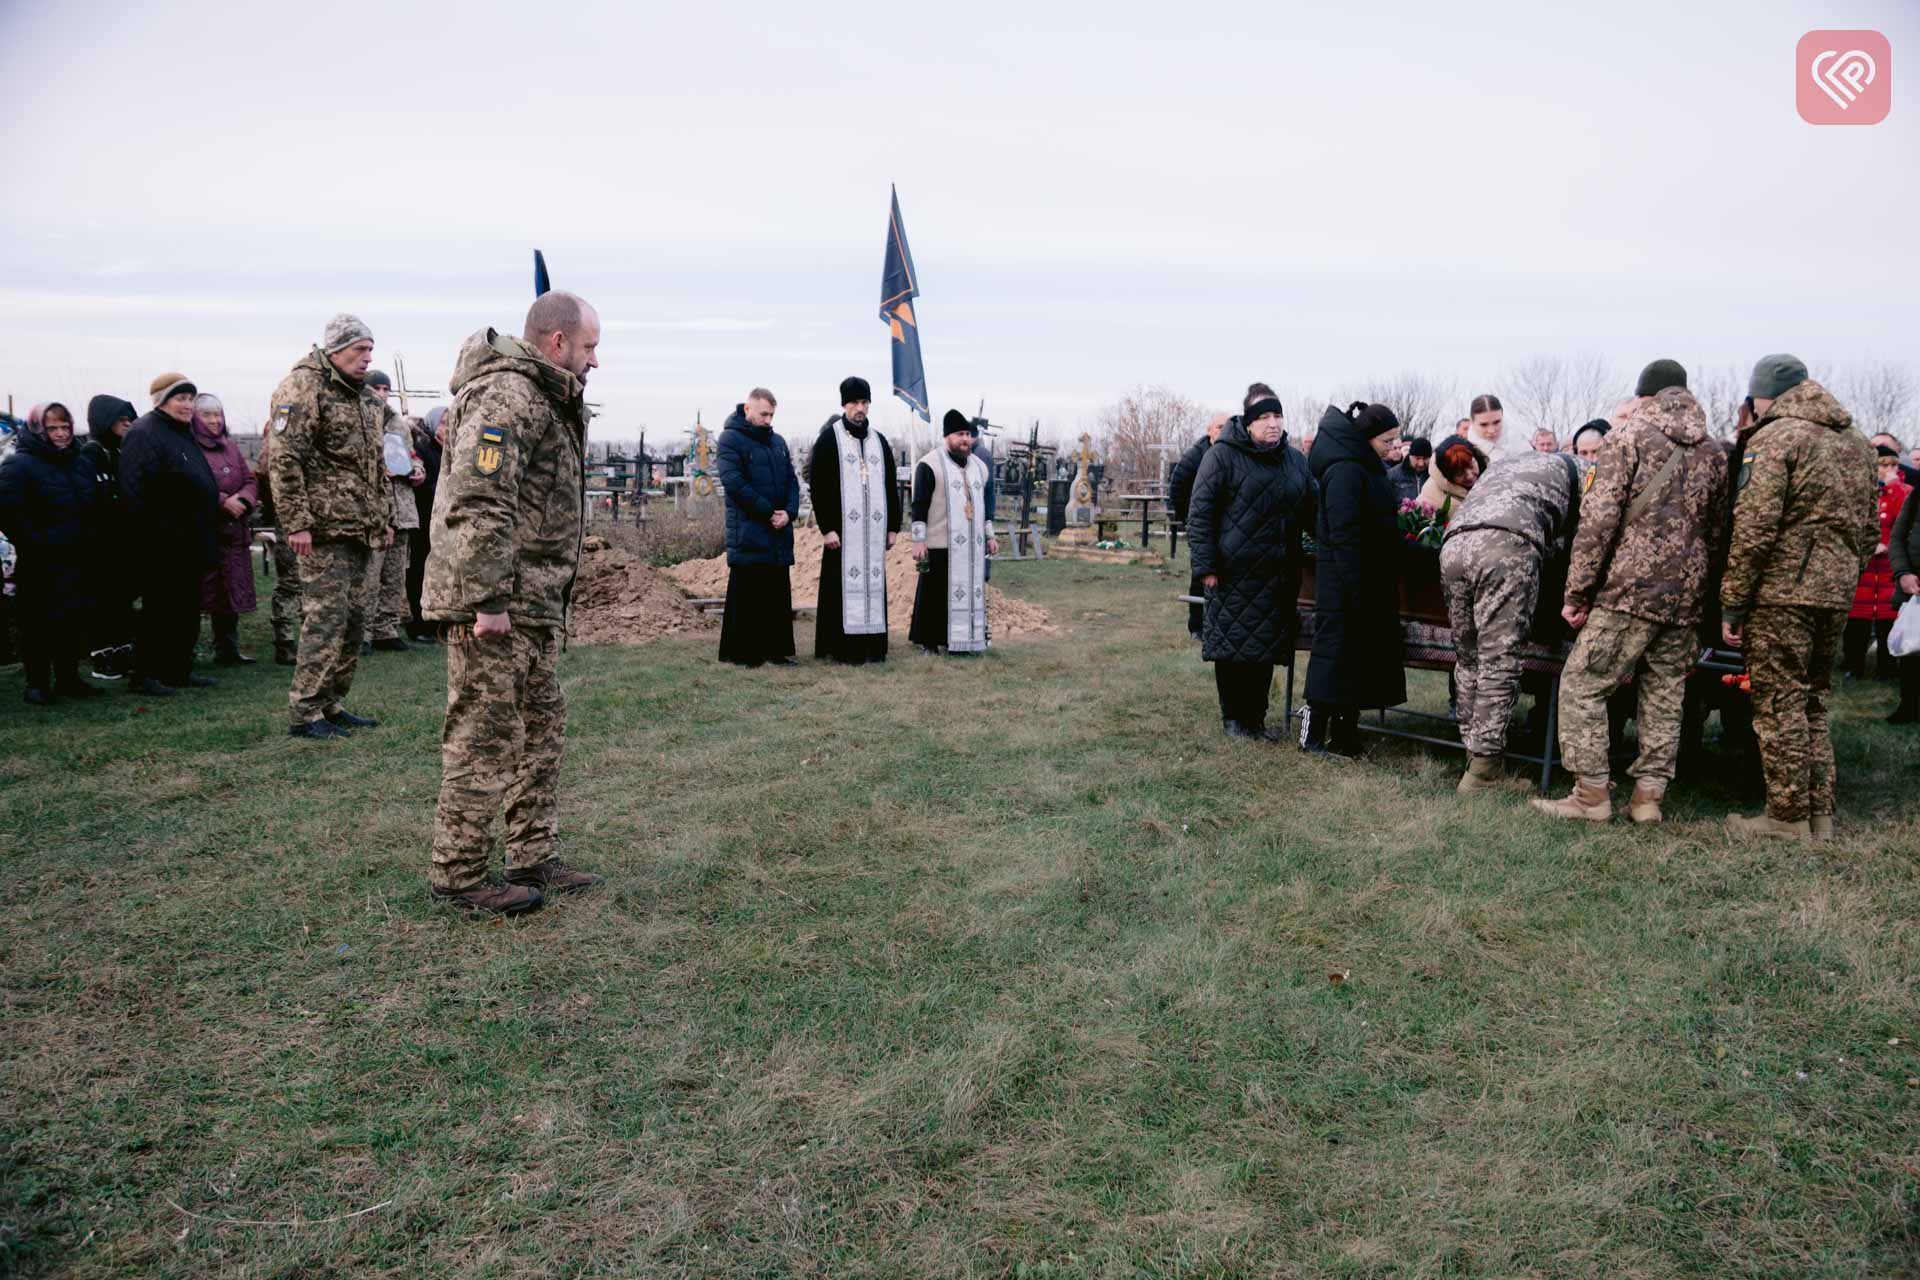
1136, 430
1558, 392
1719, 389
1881, 397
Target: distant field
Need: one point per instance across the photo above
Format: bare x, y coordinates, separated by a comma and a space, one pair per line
1004, 967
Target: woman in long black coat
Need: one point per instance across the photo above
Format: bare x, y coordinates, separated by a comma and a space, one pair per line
763, 500
49, 510
1252, 499
1358, 658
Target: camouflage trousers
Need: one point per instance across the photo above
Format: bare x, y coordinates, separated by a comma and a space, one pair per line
286, 591
1790, 652
1491, 580
385, 596
506, 726
331, 627
1611, 647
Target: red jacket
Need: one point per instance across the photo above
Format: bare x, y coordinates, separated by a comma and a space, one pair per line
1873, 597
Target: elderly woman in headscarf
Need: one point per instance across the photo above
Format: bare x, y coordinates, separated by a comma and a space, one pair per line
49, 511
227, 590
1457, 465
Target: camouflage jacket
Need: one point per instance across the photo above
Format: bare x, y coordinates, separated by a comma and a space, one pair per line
324, 455
1536, 495
509, 513
1806, 517
1655, 567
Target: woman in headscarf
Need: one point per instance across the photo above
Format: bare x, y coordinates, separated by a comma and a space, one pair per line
227, 590
1251, 500
1358, 657
1457, 465
49, 511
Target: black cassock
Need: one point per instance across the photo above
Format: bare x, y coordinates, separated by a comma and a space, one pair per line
823, 475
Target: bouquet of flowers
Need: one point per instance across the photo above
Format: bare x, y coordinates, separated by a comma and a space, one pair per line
1423, 525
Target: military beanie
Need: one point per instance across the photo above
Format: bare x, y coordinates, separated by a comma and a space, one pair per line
1776, 375
343, 331
169, 385
375, 378
852, 389
1660, 375
1421, 447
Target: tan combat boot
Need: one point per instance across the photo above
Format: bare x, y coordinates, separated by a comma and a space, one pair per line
1644, 806
1771, 828
1591, 800
1820, 826
1483, 774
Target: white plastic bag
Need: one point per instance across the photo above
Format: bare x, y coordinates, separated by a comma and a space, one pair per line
1905, 640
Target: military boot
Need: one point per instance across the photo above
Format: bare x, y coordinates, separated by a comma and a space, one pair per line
1590, 800
1483, 774
554, 876
1770, 827
1820, 826
285, 653
1644, 805
492, 897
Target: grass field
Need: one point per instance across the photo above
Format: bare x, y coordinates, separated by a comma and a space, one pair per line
1010, 967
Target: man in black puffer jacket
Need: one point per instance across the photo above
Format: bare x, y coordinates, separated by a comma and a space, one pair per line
110, 631
171, 500
763, 501
1251, 503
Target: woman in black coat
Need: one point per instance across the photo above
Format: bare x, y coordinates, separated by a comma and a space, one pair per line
49, 509
171, 502
1251, 502
763, 501
1358, 659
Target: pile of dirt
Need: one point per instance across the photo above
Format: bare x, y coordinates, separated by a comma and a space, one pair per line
618, 599
1008, 617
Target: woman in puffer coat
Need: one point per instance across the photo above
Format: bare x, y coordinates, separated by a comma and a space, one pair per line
1873, 596
1358, 656
1251, 503
49, 510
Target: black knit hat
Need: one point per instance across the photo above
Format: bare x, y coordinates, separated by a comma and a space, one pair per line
1885, 452
1372, 419
1262, 407
375, 378
1420, 447
1660, 375
1598, 424
852, 389
955, 421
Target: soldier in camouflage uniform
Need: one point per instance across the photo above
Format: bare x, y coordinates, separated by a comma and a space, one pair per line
331, 495
1805, 521
1520, 515
509, 516
286, 565
1636, 587
385, 598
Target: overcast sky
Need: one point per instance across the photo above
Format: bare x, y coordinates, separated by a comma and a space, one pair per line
1196, 195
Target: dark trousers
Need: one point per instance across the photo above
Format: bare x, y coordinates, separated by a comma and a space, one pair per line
1910, 683
1853, 648
1196, 613
758, 623
1244, 689
422, 540
49, 648
169, 626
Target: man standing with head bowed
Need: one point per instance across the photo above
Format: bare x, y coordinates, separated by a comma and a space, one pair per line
856, 503
953, 536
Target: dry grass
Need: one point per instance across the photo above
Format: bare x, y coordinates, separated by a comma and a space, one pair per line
1028, 977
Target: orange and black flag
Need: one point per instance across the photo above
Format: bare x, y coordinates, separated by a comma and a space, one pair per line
899, 286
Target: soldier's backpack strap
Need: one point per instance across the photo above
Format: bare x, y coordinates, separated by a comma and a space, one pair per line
1661, 478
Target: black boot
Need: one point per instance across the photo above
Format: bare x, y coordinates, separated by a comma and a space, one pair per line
1908, 712
285, 653
226, 642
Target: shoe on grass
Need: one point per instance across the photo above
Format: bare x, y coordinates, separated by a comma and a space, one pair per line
491, 897
393, 644
1820, 826
1770, 827
151, 688
38, 697
195, 681
1591, 800
554, 876
1644, 804
318, 729
345, 719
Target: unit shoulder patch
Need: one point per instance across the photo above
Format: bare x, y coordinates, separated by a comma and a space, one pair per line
490, 451
282, 415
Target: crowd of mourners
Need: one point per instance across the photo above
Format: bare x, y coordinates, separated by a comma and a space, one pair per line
122, 541
1654, 545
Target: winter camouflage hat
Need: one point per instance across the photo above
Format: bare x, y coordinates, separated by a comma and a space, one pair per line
343, 331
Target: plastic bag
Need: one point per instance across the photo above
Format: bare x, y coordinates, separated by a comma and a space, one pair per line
1905, 640
398, 458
